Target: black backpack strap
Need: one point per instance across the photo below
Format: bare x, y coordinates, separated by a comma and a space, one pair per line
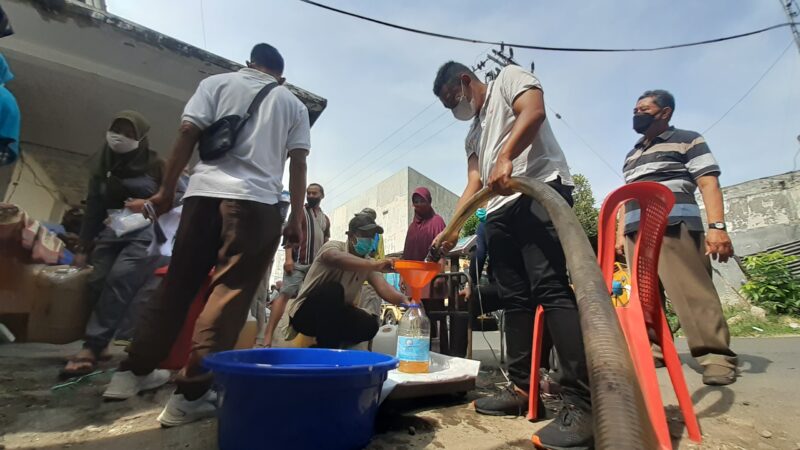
256, 103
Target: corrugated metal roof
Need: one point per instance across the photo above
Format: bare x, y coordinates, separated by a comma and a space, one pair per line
790, 248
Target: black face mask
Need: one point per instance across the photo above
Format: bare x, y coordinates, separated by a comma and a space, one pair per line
642, 122
313, 202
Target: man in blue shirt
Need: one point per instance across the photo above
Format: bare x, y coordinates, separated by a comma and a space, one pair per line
9, 118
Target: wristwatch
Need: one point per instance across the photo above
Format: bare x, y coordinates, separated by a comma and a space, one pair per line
717, 226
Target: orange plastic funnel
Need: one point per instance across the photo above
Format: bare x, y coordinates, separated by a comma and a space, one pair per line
416, 275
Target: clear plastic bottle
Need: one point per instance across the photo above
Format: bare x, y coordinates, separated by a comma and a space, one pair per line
414, 340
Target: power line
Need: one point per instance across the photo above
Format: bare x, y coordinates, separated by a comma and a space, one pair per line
386, 152
347, 170
546, 48
792, 11
203, 24
337, 176
763, 75
342, 194
597, 154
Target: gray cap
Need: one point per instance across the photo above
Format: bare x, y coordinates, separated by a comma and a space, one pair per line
369, 212
363, 222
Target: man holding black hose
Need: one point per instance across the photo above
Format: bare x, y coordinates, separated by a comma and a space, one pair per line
510, 136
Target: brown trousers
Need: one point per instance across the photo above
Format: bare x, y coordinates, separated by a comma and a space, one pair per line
685, 273
237, 239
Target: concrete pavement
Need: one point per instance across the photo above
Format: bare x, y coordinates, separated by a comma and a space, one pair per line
760, 411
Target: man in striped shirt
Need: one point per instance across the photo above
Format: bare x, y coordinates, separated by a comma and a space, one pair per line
315, 232
681, 160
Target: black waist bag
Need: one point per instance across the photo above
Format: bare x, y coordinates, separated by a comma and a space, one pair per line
220, 136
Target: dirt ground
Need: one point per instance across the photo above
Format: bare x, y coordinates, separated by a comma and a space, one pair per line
760, 411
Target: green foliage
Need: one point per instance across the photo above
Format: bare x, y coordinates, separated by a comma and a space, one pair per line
584, 205
771, 285
672, 318
470, 227
743, 324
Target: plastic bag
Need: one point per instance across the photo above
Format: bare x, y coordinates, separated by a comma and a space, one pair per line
169, 226
47, 248
125, 221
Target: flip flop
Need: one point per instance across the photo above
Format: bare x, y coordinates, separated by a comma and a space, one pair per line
104, 356
66, 374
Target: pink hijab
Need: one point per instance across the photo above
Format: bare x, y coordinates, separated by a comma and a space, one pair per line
422, 230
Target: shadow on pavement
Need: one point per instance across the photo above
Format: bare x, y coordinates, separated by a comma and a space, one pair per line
747, 363
721, 406
753, 364
201, 436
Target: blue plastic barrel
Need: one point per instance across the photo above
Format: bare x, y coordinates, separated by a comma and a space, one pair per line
285, 398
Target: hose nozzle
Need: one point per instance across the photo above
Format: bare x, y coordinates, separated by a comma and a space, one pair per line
434, 254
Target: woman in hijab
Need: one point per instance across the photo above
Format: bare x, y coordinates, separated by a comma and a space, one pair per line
124, 169
421, 233
424, 228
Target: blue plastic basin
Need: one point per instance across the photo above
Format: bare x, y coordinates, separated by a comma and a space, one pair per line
286, 398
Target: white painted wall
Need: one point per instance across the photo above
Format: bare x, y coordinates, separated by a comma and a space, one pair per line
35, 192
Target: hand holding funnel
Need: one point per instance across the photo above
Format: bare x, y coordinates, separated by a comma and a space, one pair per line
416, 275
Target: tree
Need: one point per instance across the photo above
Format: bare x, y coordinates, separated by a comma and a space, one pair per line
584, 205
470, 226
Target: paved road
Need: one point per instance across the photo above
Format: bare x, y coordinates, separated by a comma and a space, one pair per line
765, 401
765, 398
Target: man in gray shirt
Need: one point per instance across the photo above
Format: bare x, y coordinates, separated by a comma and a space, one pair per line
510, 136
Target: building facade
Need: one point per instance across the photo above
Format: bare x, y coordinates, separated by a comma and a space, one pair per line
761, 215
75, 66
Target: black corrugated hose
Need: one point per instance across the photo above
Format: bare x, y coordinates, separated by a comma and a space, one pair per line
621, 421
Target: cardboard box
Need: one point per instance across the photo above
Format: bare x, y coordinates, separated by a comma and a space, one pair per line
61, 307
17, 281
45, 303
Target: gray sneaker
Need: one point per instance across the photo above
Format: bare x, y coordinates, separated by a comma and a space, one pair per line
124, 385
180, 411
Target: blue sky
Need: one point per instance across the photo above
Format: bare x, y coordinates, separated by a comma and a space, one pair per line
376, 78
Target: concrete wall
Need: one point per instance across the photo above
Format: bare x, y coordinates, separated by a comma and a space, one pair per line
760, 214
390, 200
444, 201
35, 192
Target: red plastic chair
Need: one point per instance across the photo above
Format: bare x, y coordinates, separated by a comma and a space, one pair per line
644, 308
179, 353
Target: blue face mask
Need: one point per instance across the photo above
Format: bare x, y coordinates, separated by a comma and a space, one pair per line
363, 246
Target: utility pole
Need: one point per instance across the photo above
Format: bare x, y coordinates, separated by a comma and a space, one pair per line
792, 10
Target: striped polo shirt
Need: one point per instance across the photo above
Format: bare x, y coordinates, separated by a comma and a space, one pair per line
675, 158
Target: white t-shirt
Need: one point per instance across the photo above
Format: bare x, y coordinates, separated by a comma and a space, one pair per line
253, 168
543, 160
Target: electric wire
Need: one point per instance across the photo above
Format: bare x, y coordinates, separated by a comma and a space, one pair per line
373, 148
377, 170
763, 75
549, 48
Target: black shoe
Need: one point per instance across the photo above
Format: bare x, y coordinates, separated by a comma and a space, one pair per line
507, 402
570, 430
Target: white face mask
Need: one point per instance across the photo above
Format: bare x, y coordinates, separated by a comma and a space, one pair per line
464, 109
121, 144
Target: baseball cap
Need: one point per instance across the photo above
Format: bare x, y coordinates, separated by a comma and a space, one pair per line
370, 212
363, 222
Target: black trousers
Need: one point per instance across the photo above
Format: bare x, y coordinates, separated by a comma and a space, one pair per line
335, 323
530, 270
